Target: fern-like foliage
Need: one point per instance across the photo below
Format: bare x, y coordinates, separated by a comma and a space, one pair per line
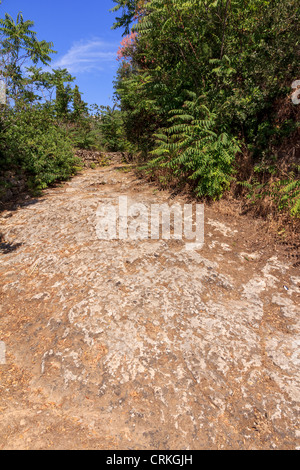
192, 148
290, 196
284, 193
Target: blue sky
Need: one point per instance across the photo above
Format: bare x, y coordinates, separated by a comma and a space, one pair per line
82, 36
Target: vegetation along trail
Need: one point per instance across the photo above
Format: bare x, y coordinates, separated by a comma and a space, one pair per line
126, 344
153, 343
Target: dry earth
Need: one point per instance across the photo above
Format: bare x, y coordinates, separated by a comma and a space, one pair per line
143, 344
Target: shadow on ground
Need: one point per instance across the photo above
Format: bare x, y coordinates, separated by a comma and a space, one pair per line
6, 247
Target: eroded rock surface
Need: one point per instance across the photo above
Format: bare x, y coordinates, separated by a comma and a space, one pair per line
143, 344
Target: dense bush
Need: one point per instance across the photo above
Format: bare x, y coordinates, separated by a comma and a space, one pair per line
107, 128
239, 57
32, 141
193, 149
38, 132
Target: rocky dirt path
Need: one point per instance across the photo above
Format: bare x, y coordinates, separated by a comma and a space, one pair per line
143, 345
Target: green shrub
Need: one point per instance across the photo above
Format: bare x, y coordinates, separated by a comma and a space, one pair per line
287, 195
193, 148
34, 142
282, 194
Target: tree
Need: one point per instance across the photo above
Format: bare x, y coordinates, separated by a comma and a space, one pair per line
34, 139
239, 56
18, 46
80, 108
129, 11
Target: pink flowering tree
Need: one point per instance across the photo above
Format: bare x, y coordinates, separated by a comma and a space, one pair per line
127, 47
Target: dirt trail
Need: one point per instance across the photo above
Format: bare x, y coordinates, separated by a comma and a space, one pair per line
143, 345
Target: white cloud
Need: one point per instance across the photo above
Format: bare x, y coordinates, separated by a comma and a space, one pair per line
87, 56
